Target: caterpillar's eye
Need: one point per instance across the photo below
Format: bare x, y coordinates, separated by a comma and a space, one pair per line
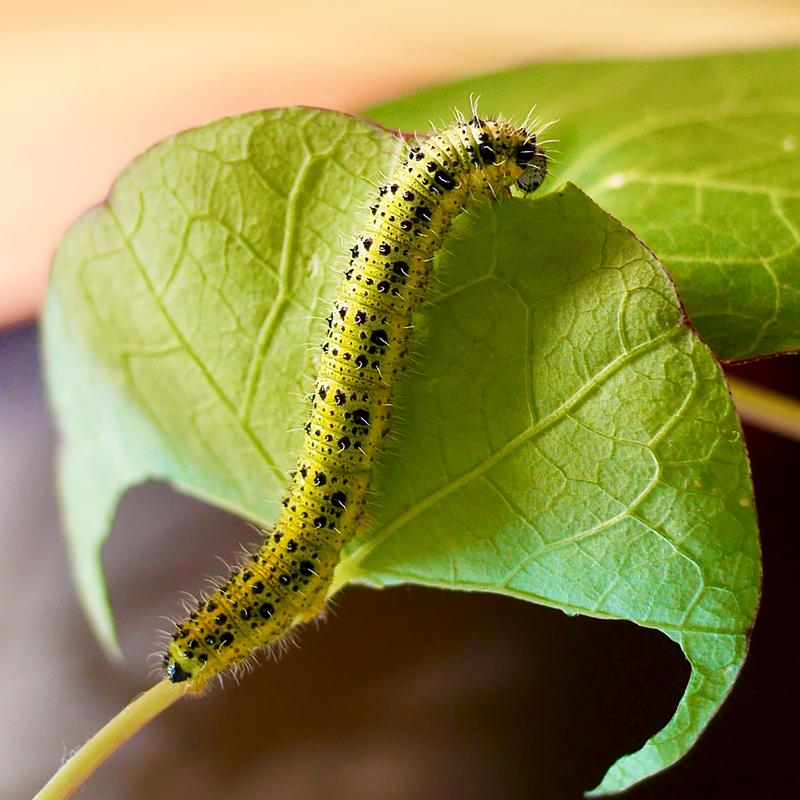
535, 172
526, 152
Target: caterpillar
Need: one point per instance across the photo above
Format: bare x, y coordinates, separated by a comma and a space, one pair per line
286, 580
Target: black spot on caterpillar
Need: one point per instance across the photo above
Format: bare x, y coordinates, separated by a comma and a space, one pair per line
286, 580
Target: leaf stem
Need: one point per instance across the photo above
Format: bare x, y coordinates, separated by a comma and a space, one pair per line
765, 408
109, 738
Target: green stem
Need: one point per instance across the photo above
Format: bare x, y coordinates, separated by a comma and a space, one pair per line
109, 738
766, 409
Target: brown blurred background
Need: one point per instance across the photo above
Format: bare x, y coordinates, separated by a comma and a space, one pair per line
408, 693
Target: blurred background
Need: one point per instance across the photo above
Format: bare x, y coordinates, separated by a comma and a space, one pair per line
490, 697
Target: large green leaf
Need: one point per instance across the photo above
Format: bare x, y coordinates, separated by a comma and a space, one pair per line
699, 156
568, 438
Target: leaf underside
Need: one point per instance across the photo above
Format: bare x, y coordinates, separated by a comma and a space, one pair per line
566, 437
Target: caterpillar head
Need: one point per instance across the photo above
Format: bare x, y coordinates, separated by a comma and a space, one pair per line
509, 154
532, 159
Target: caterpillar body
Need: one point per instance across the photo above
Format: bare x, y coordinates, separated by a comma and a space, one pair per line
286, 580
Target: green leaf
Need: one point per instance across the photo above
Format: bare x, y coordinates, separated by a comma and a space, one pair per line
699, 156
574, 444
568, 438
